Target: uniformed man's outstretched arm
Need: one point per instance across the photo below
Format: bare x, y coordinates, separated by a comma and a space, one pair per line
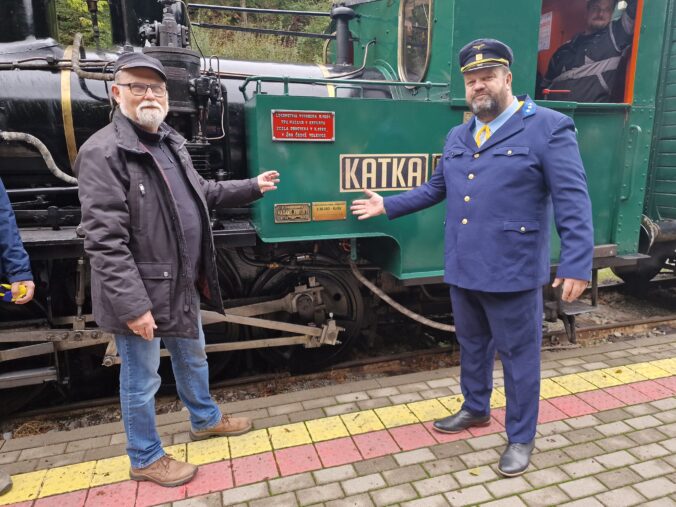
368, 208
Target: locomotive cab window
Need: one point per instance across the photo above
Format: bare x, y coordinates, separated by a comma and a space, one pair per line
587, 50
415, 30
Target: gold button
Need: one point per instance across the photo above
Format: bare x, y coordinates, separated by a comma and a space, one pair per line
466, 198
509, 152
522, 229
464, 221
476, 155
470, 176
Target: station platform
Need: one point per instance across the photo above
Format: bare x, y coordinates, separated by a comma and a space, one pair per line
607, 437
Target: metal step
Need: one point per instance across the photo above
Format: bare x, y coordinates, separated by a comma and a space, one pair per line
27, 377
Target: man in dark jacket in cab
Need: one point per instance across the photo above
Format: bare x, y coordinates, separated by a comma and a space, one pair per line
145, 214
15, 269
589, 67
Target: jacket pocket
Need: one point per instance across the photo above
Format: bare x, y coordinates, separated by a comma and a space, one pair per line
157, 278
511, 151
520, 247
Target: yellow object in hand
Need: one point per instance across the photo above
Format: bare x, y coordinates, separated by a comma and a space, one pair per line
6, 292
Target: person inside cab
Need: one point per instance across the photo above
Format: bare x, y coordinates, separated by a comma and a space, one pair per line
589, 68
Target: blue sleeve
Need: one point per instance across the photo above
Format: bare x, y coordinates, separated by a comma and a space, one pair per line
14, 259
567, 182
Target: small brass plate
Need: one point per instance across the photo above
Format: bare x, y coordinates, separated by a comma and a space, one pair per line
322, 211
291, 213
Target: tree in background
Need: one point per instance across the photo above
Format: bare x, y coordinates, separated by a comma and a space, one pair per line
73, 16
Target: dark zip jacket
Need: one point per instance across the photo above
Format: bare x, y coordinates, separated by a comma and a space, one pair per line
133, 237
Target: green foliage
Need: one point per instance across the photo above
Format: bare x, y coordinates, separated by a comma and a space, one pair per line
73, 16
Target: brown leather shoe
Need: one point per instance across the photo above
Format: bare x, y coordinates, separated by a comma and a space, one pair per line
166, 471
228, 427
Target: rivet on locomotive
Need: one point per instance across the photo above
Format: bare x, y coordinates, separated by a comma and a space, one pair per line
373, 115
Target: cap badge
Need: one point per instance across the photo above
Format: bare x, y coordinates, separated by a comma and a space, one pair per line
479, 57
478, 47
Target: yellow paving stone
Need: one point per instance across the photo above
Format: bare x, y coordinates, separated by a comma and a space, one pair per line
177, 452
210, 450
362, 422
289, 435
550, 389
26, 487
250, 443
110, 470
600, 379
67, 478
397, 415
649, 370
574, 383
626, 375
498, 399
428, 410
326, 428
668, 364
452, 403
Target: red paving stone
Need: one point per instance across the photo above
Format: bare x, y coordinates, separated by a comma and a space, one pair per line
600, 400
338, 452
74, 499
411, 437
295, 460
668, 382
494, 427
572, 406
151, 494
120, 494
254, 468
652, 389
549, 413
376, 444
499, 414
443, 438
211, 477
627, 394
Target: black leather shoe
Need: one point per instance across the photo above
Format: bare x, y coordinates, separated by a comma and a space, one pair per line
516, 458
461, 421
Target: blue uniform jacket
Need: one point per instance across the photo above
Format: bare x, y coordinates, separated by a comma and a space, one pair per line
499, 203
14, 264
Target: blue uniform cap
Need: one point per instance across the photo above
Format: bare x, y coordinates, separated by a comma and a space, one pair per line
482, 53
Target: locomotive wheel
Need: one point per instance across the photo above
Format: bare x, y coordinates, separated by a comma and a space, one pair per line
639, 275
341, 297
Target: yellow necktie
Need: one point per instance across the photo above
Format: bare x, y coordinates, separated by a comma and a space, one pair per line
483, 135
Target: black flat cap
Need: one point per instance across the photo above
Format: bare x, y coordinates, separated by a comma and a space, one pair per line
482, 53
133, 60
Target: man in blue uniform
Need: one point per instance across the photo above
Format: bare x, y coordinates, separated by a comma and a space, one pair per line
500, 174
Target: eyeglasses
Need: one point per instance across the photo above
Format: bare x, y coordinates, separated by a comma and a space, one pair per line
140, 89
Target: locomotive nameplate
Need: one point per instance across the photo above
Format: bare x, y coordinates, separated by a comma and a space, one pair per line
292, 213
382, 172
322, 211
307, 126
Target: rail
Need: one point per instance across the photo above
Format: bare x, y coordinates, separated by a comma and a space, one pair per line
327, 81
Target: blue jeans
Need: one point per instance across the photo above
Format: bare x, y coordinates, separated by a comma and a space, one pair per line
139, 381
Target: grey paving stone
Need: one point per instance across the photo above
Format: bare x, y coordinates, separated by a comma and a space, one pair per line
546, 477
435, 393
610, 416
451, 449
245, 493
285, 500
553, 428
597, 365
413, 388
474, 476
345, 408
212, 500
375, 465
669, 444
405, 398
580, 488
614, 428
375, 403
647, 436
668, 429
322, 493
618, 478
616, 459
640, 410
268, 422
394, 494
622, 497
545, 497
20, 467
661, 502
291, 483
9, 457
616, 443
583, 468
328, 401
41, 452
665, 404
405, 474
363, 500
583, 435
430, 501
88, 443
306, 415
412, 457
442, 382
582, 451
383, 392
508, 487
585, 421
649, 451
435, 485
468, 496
583, 502
512, 501
550, 458
652, 468
666, 417
567, 370
334, 474
443, 466
656, 488
475, 459
351, 397
70, 458
487, 441
363, 484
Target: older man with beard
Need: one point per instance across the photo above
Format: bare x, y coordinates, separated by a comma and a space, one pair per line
500, 174
145, 213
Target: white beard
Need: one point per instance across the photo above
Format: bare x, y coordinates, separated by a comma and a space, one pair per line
149, 114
